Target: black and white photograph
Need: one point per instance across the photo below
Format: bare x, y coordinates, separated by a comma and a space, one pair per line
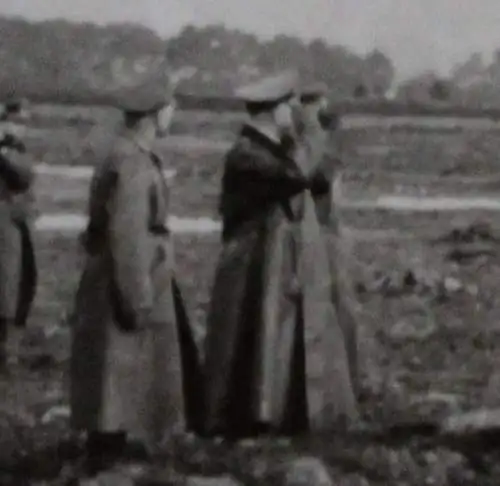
249, 243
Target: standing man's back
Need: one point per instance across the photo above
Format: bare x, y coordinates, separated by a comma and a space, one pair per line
134, 369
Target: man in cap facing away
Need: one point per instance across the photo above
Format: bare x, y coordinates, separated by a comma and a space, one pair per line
134, 367
315, 126
263, 374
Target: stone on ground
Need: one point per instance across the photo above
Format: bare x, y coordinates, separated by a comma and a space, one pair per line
172, 479
305, 471
472, 423
214, 481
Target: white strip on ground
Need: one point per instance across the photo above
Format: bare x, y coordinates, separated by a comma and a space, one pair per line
69, 223
74, 223
424, 204
85, 173
80, 172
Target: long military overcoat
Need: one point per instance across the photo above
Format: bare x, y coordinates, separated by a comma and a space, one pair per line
315, 151
264, 367
147, 383
18, 270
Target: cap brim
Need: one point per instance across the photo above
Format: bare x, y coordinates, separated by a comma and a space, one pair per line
270, 89
314, 90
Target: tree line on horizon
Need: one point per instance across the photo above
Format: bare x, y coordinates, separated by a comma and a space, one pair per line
219, 59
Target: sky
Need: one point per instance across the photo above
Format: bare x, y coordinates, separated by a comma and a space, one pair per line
416, 34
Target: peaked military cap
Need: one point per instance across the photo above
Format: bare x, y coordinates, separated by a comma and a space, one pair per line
271, 89
313, 91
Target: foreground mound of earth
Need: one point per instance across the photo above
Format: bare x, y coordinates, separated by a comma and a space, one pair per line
36, 449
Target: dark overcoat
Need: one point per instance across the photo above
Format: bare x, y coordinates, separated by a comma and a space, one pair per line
18, 270
147, 383
275, 355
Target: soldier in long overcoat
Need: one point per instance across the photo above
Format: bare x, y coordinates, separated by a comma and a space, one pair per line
18, 270
275, 357
134, 365
314, 136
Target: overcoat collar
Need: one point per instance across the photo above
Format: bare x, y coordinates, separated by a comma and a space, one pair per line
275, 148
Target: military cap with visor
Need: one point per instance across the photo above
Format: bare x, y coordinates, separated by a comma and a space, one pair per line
270, 90
313, 91
139, 86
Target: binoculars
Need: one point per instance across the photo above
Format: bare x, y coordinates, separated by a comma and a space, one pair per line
10, 141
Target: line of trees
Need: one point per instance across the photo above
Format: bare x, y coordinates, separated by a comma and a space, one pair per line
473, 83
60, 53
224, 57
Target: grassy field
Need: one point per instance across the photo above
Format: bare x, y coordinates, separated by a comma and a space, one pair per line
428, 321
439, 157
445, 148
425, 352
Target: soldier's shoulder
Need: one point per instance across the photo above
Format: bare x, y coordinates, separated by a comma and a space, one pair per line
242, 144
123, 155
123, 148
244, 147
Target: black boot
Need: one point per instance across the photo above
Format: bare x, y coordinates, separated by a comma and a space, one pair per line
103, 450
